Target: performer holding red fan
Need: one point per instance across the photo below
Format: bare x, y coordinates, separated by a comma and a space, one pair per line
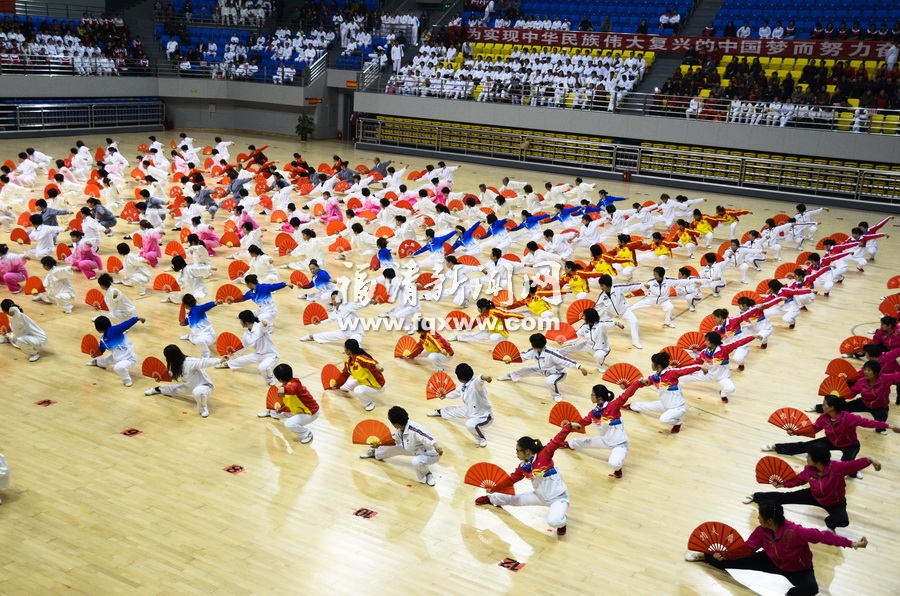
476, 405
611, 435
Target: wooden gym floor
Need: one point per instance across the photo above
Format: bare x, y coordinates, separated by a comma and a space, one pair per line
93, 511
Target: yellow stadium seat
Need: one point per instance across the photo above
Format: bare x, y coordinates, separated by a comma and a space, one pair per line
877, 123
853, 102
844, 120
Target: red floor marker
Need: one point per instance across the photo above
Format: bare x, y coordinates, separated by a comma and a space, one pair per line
44, 403
234, 469
511, 564
131, 432
365, 513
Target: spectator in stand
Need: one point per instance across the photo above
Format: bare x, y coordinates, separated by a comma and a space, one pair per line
730, 30
675, 21
744, 31
830, 33
709, 30
778, 31
790, 32
643, 28
606, 25
665, 20
586, 24
883, 33
856, 31
765, 32
818, 32
891, 55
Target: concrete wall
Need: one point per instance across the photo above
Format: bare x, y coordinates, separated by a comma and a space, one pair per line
829, 145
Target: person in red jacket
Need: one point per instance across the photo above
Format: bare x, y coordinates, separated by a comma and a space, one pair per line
362, 375
827, 485
785, 550
606, 415
665, 378
840, 432
433, 345
298, 407
874, 389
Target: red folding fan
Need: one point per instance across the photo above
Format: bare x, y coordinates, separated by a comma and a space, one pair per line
439, 385
90, 345
137, 240
374, 263
34, 285
237, 269
835, 386
407, 248
405, 346
314, 313
803, 257
781, 219
890, 306
502, 297
340, 245
19, 235
677, 356
762, 288
384, 232
155, 369
285, 244
426, 281
299, 279
512, 257
573, 314
722, 248
274, 401
165, 283
793, 420
707, 324
622, 374
490, 476
335, 227
560, 333
755, 297
330, 376
228, 343
716, 537
4, 323
469, 260
506, 351
854, 344
894, 282
772, 470
230, 239
372, 433
113, 263
692, 341
94, 298
229, 294
785, 271
174, 248
840, 368
63, 251
380, 294
457, 319
278, 216
565, 411
24, 219
230, 226
182, 314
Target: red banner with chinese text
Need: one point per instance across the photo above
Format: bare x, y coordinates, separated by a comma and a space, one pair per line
785, 48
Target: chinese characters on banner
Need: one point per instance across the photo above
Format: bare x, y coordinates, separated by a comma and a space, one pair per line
785, 48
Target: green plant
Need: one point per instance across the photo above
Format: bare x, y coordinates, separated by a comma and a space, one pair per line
305, 125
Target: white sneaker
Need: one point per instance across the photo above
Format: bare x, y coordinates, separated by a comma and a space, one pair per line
767, 448
306, 338
692, 308
810, 409
204, 412
307, 439
670, 325
370, 406
92, 363
435, 413
557, 398
638, 346
747, 500
858, 476
265, 414
370, 454
429, 479
185, 337
271, 381
504, 377
221, 365
128, 383
482, 442
34, 358
694, 556
154, 391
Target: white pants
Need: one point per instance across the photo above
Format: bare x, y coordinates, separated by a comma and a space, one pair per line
30, 344
419, 462
405, 313
200, 393
473, 425
617, 454
203, 341
789, 310
632, 323
122, 367
556, 517
437, 359
327, 337
599, 355
480, 336
363, 393
297, 423
552, 379
723, 379
669, 415
264, 362
665, 305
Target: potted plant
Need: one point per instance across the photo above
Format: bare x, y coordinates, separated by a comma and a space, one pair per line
305, 126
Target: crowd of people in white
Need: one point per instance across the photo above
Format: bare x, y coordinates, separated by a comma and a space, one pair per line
526, 76
66, 52
522, 22
246, 13
774, 113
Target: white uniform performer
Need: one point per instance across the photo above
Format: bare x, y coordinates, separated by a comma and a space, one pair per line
24, 334
195, 383
476, 405
351, 326
265, 354
58, 283
592, 337
415, 441
120, 306
549, 364
612, 303
657, 293
134, 273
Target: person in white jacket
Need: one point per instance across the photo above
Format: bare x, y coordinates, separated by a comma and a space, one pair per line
412, 439
548, 363
24, 333
120, 306
257, 337
593, 337
350, 327
657, 293
612, 303
476, 406
194, 382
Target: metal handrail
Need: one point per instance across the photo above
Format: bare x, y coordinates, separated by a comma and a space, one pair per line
53, 10
872, 184
61, 116
25, 64
318, 68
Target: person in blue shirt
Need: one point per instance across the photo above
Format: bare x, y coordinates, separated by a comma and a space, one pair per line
202, 333
567, 216
435, 249
497, 232
607, 199
466, 241
121, 352
261, 295
320, 280
530, 226
384, 255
